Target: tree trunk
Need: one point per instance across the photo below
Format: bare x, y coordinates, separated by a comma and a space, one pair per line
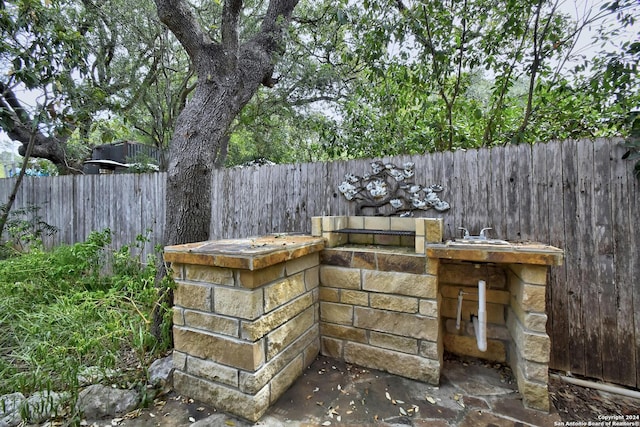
229, 74
195, 148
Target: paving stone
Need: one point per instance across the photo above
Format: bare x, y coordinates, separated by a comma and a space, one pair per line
516, 410
431, 423
480, 418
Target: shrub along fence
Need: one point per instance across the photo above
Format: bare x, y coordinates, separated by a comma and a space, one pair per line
576, 195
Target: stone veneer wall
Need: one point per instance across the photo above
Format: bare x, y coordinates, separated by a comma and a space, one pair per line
395, 309
244, 332
380, 307
530, 347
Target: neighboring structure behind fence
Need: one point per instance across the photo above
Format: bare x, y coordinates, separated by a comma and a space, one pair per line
576, 195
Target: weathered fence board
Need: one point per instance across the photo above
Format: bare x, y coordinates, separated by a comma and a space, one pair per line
577, 195
606, 288
623, 247
559, 308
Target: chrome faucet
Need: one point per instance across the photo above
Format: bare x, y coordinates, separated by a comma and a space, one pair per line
483, 236
467, 236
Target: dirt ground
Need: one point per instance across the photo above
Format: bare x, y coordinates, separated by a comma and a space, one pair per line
575, 403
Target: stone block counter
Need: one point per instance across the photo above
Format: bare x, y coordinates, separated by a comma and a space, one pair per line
516, 277
251, 314
245, 319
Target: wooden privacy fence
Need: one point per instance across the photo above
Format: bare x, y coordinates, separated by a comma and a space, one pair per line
576, 195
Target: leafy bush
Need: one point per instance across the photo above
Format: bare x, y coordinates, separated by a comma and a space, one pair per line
25, 228
633, 143
60, 314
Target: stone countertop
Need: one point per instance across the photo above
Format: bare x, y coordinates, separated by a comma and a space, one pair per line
251, 253
512, 253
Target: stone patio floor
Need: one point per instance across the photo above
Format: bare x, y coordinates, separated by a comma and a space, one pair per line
332, 393
471, 393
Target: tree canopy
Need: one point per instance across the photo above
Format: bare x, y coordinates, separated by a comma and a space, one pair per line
357, 79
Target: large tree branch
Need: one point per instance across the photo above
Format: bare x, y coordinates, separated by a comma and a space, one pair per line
13, 104
178, 16
257, 54
278, 15
230, 13
20, 127
15, 119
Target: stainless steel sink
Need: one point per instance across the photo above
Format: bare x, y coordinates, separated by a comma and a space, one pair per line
477, 242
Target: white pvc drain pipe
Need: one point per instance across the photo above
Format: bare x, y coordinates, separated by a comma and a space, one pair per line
459, 312
480, 322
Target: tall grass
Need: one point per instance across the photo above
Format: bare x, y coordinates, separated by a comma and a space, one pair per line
60, 313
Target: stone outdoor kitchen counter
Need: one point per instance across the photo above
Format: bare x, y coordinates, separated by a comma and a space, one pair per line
251, 314
247, 254
512, 253
245, 318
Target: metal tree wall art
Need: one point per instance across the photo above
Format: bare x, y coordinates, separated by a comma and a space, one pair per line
390, 190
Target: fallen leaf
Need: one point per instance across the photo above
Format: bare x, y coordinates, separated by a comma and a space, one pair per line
393, 401
402, 411
375, 417
594, 409
326, 423
338, 418
387, 395
566, 395
431, 400
192, 420
230, 423
320, 403
416, 408
317, 389
152, 415
349, 412
400, 402
339, 387
309, 397
200, 409
133, 414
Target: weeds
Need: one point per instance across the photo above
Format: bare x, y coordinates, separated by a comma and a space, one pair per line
60, 315
25, 228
